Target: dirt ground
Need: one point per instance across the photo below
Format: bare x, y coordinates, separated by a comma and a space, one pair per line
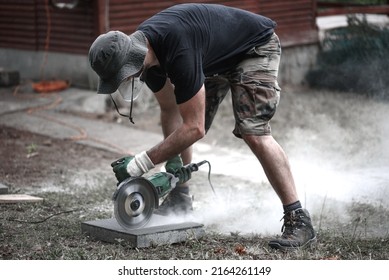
77, 186
32, 159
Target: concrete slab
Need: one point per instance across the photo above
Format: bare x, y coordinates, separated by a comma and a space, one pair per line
79, 100
9, 103
109, 230
3, 189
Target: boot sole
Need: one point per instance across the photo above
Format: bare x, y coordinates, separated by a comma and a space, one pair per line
307, 244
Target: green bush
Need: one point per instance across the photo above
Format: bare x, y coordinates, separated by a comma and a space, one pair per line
355, 59
361, 2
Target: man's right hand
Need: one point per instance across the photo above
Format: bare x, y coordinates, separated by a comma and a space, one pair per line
119, 167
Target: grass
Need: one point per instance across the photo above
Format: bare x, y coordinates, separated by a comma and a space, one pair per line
52, 231
74, 191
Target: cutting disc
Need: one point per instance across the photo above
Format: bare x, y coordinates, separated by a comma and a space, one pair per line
134, 202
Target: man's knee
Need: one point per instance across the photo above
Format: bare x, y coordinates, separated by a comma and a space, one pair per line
258, 141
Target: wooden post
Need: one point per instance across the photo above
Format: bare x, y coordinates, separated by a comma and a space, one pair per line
102, 16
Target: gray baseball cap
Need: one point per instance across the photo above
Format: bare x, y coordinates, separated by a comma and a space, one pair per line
115, 56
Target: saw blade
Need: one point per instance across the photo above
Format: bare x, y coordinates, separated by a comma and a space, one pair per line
134, 202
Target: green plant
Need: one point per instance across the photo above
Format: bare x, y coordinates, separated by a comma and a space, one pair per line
361, 2
353, 59
31, 149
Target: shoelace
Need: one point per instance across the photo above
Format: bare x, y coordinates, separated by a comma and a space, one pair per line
291, 222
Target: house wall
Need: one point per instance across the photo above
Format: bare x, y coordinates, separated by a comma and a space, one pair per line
295, 63
33, 25
43, 42
295, 19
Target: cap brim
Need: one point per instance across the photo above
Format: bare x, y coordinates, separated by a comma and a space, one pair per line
111, 85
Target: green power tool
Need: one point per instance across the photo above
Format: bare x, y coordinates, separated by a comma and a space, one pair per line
136, 198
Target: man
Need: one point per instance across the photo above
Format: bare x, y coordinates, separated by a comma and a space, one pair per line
190, 55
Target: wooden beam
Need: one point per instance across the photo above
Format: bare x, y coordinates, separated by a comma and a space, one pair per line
18, 198
102, 16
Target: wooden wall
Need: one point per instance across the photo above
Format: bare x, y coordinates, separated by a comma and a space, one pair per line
37, 25
33, 25
295, 19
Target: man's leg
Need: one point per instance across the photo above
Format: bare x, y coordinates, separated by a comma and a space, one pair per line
297, 229
275, 164
255, 96
179, 199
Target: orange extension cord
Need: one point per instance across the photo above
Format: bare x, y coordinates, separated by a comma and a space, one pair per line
45, 86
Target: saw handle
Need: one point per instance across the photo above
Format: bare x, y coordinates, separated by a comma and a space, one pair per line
184, 173
194, 166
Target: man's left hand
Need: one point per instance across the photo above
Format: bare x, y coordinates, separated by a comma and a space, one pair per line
173, 164
119, 167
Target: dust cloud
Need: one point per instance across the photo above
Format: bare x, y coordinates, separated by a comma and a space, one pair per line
338, 147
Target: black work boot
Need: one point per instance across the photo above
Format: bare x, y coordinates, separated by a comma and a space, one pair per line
297, 231
176, 202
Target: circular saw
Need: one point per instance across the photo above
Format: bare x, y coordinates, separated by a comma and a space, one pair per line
134, 202
136, 198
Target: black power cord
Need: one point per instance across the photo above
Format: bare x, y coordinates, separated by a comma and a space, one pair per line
195, 167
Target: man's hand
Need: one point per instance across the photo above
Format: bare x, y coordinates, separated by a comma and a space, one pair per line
184, 174
175, 166
132, 166
119, 167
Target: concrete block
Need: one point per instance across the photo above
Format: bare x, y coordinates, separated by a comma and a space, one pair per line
3, 189
9, 78
109, 230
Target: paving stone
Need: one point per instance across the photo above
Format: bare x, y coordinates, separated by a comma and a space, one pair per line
110, 231
3, 189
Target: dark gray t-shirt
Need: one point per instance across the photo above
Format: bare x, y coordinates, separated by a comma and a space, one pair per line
192, 41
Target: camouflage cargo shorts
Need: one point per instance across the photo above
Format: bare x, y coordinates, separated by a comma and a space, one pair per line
254, 90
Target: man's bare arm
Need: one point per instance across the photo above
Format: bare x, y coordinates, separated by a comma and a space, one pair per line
183, 124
